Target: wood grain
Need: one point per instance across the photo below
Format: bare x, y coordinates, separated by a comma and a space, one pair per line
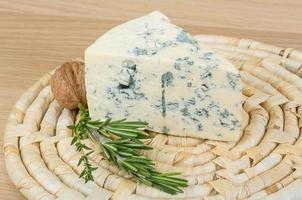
36, 36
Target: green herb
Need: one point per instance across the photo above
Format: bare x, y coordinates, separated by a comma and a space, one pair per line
121, 143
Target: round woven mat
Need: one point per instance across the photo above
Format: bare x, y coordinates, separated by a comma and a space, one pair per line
265, 163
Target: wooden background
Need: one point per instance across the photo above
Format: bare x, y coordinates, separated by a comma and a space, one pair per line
37, 35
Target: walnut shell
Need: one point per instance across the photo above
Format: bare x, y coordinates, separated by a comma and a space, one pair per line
68, 85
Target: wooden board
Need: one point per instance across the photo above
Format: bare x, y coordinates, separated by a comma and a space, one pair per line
36, 36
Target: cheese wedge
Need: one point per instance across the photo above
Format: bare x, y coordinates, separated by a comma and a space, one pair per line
151, 70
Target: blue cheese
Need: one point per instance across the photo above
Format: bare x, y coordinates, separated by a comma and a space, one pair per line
151, 70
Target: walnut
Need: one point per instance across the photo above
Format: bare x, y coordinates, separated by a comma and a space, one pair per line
68, 85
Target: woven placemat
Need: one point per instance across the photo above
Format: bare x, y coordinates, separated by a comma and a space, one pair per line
265, 163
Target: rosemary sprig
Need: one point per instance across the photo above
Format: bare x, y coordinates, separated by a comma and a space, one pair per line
80, 147
121, 143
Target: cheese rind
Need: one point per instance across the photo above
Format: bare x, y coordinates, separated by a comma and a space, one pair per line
151, 70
